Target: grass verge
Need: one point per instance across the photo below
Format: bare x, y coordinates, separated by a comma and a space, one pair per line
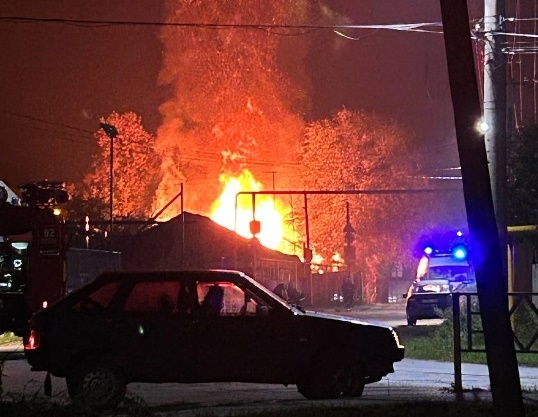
437, 343
9, 337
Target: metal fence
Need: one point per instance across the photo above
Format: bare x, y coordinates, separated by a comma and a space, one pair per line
469, 333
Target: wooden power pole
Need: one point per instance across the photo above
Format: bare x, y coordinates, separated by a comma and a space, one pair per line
491, 282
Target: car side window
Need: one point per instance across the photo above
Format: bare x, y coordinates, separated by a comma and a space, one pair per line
225, 299
98, 299
153, 297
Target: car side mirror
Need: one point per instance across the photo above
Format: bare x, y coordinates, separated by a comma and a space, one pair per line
404, 295
262, 311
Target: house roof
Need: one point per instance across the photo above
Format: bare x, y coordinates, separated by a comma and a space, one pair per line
195, 241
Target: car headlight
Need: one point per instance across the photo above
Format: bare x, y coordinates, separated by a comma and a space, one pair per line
395, 336
436, 288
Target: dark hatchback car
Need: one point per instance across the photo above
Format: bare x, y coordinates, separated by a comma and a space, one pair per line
201, 326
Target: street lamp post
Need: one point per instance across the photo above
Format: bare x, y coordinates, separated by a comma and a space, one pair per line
111, 132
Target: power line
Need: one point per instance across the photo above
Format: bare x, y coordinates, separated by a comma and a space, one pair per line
99, 23
185, 153
421, 27
44, 121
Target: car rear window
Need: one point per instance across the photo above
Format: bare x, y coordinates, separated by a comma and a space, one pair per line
98, 299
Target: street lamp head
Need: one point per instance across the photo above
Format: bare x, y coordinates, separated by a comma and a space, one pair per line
110, 130
483, 126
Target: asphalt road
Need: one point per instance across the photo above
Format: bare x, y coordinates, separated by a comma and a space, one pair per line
391, 314
413, 380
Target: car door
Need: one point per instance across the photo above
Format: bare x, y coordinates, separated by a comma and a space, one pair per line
240, 342
86, 325
156, 332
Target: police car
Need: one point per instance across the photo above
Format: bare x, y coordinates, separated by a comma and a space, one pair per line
439, 274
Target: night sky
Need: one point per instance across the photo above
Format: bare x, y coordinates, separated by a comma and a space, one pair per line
56, 76
58, 79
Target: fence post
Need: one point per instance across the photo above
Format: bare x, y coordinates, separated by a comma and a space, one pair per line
458, 387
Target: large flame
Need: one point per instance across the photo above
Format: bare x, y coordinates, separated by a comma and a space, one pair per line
269, 211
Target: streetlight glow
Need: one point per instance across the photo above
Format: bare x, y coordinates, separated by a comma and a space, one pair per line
483, 126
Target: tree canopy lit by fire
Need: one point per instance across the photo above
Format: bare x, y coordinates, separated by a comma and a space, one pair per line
235, 121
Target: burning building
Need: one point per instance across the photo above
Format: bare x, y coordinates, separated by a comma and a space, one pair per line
192, 241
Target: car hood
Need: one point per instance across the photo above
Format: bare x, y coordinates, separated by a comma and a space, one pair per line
432, 282
336, 317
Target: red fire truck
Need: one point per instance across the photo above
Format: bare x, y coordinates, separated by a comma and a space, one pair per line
32, 263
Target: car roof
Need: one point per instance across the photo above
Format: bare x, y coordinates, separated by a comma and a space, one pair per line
170, 274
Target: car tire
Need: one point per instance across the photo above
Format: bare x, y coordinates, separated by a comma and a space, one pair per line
411, 321
96, 384
358, 381
329, 378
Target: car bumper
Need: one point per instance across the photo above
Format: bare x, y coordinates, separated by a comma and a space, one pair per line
399, 355
36, 359
428, 306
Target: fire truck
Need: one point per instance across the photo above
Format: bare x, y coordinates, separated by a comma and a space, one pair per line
32, 263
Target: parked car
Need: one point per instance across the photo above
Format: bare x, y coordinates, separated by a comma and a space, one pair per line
438, 278
427, 299
201, 326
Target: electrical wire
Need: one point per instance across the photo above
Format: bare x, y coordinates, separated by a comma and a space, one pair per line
101, 23
12, 113
169, 151
516, 48
423, 27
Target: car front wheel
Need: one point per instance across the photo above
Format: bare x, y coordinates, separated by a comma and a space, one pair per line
358, 381
330, 378
96, 384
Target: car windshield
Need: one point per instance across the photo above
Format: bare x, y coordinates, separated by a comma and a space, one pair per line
271, 294
457, 273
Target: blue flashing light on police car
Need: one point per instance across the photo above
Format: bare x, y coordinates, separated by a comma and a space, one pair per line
459, 252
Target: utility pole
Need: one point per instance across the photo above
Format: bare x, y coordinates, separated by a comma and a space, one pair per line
477, 191
349, 237
495, 113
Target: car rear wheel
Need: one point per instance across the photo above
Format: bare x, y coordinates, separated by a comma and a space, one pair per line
329, 378
96, 384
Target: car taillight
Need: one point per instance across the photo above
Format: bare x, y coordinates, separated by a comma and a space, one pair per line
34, 340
